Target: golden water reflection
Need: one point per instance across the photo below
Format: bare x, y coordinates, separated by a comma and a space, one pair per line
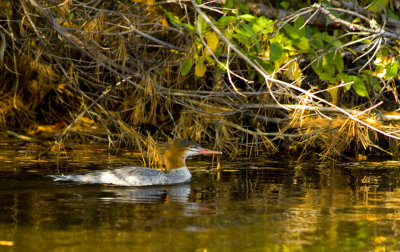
252, 204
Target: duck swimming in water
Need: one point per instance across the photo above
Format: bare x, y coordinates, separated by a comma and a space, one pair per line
174, 156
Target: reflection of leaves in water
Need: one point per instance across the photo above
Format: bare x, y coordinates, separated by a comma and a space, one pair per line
267, 204
6, 243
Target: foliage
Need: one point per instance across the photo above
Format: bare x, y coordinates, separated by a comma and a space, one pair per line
279, 46
242, 75
350, 68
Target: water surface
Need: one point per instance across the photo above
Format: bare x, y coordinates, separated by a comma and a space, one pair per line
252, 204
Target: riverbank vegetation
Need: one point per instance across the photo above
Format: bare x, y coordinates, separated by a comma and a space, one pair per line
249, 78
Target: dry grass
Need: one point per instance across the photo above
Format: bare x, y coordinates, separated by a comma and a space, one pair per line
104, 72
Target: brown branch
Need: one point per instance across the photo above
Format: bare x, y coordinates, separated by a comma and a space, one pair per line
350, 5
246, 107
85, 48
26, 138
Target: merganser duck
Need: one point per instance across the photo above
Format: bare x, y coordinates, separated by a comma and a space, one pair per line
174, 158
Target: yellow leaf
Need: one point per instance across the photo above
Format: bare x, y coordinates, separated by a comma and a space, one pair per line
378, 61
334, 94
293, 72
384, 61
212, 40
380, 73
356, 20
380, 239
278, 63
361, 157
200, 68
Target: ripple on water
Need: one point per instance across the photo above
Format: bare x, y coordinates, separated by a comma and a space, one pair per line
258, 203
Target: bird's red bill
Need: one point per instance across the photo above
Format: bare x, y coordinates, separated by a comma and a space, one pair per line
205, 151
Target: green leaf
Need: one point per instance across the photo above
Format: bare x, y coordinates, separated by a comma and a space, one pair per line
242, 39
318, 68
257, 28
377, 86
372, 81
391, 70
229, 4
275, 51
218, 51
202, 25
327, 64
243, 7
336, 43
358, 85
267, 65
171, 16
264, 25
317, 43
291, 31
249, 33
176, 21
337, 60
332, 41
186, 66
346, 79
252, 75
210, 60
224, 21
302, 44
248, 18
285, 4
327, 77
377, 5
190, 27
263, 21
298, 23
